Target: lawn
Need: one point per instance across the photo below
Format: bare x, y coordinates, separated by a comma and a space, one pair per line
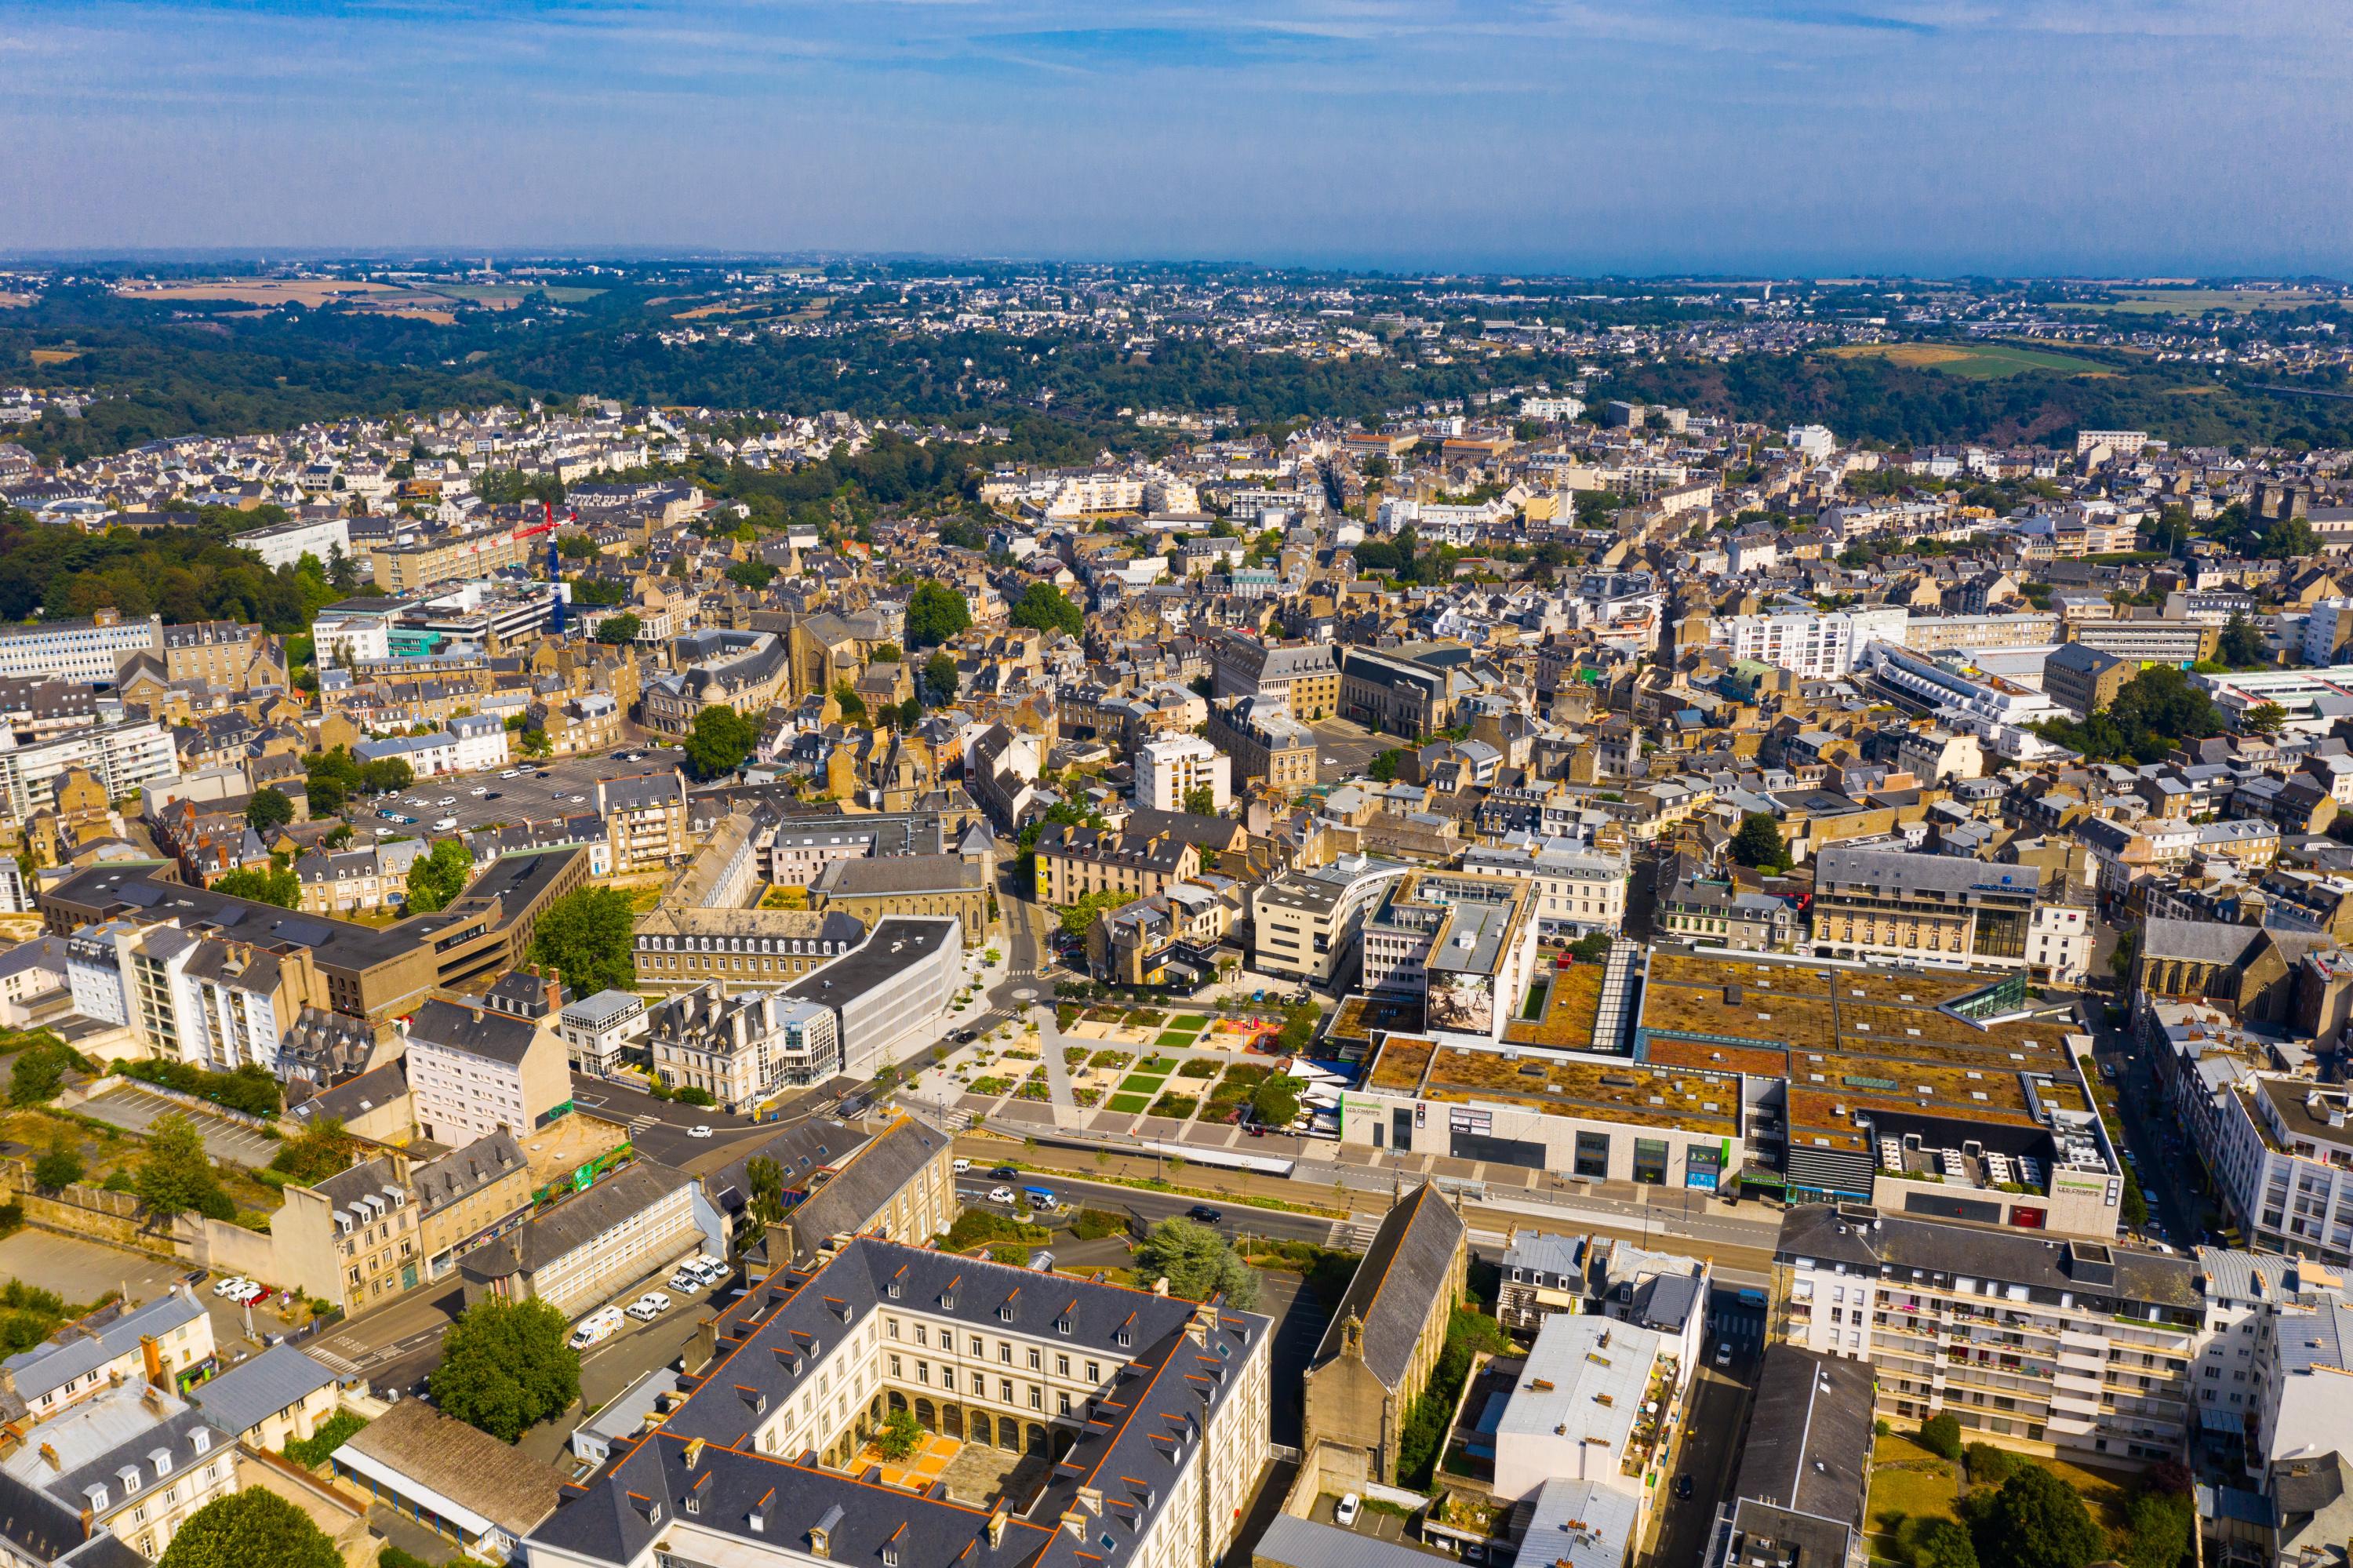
1128, 1105
1172, 1040
1977, 361
1187, 1023
1907, 1482
2195, 302
1143, 1083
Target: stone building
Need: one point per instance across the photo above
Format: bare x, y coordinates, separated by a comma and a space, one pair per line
1384, 1340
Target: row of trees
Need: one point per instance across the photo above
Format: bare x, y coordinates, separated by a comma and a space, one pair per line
2017, 1512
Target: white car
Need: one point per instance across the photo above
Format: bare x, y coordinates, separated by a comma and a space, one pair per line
448, 800
577, 800
648, 1307
698, 1132
960, 1166
1000, 1194
445, 824
1724, 1355
510, 773
1345, 1515
235, 1285
480, 789
686, 1278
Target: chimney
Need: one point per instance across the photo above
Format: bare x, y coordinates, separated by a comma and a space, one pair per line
780, 1246
50, 1455
706, 1341
996, 1526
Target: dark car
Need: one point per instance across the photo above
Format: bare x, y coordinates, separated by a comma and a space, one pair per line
1202, 1212
965, 1036
1006, 1171
1682, 1488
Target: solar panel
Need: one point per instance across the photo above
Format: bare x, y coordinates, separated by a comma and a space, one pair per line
145, 894
304, 932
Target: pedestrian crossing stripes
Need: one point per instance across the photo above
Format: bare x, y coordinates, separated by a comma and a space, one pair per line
1352, 1236
339, 1365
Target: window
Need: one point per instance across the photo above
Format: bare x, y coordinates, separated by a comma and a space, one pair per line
1061, 1366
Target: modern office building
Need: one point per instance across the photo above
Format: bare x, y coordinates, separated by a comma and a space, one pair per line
1308, 922
1464, 944
124, 758
889, 993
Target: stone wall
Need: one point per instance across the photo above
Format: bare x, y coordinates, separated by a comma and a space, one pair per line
90, 1212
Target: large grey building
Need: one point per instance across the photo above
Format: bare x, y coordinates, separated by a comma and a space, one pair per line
889, 992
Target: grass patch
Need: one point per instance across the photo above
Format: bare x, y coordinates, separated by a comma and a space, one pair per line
1128, 1105
1197, 1068
1143, 1083
1178, 1106
1976, 361
1907, 1483
1172, 1041
1187, 1023
1158, 1064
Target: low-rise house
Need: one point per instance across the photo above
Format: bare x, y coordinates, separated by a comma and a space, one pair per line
169, 1340
474, 1491
133, 1462
280, 1396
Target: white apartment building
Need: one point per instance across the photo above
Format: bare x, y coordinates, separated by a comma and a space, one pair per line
2059, 943
124, 758
2075, 1348
1155, 1406
1579, 891
741, 1049
285, 544
1169, 768
473, 1072
469, 743
1813, 443
2121, 443
2328, 626
597, 1029
1818, 646
77, 650
2279, 1149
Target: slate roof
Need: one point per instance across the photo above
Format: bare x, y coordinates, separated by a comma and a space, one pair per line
477, 1032
245, 1396
2200, 941
576, 1220
848, 1203
1403, 1269
462, 1173
1150, 1417
85, 1347
2045, 1266
1809, 1436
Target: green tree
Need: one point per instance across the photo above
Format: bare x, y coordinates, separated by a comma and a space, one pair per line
935, 614
2133, 1209
2264, 718
268, 811
1044, 607
902, 1434
722, 739
618, 628
1941, 1435
2036, 1521
2157, 1528
252, 1528
1939, 1542
318, 1152
941, 679
40, 1070
2288, 539
752, 575
1200, 800
852, 705
586, 936
765, 1178
2242, 643
439, 876
1197, 1262
273, 885
330, 779
385, 774
887, 653
1299, 1024
1759, 844
505, 1367
1383, 768
61, 1166
1275, 1101
177, 1175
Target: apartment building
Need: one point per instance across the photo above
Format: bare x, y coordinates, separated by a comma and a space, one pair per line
1172, 767
407, 565
2084, 680
1157, 1407
1410, 690
1715, 912
127, 1467
1264, 743
473, 1072
900, 1185
741, 1050
2075, 1348
1543, 1275
746, 671
1075, 860
2278, 1149
951, 885
1301, 679
1818, 646
469, 1198
124, 759
599, 1029
168, 1340
645, 816
285, 544
82, 651
1578, 891
282, 1395
1943, 911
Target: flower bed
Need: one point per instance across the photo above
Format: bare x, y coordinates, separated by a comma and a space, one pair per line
1180, 1106
1116, 1059
1198, 1067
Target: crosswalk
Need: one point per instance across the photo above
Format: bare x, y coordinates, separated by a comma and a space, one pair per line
342, 1366
639, 1124
1352, 1236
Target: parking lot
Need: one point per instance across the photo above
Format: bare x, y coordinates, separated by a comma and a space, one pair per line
529, 797
82, 1271
1344, 749
134, 1110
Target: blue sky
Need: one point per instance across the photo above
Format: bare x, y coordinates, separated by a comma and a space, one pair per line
1645, 135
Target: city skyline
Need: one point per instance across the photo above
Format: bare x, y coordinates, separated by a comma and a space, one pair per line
1927, 137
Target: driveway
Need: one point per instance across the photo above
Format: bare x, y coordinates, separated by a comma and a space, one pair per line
134, 1110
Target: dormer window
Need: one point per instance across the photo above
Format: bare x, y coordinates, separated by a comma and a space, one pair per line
1005, 1313
890, 1557
1123, 1337
1063, 1326
129, 1477
201, 1440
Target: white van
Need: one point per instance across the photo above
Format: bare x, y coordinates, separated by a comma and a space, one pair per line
596, 1328
445, 824
961, 1166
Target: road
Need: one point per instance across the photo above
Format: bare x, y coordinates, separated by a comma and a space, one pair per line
1146, 1208
1714, 1411
2166, 1168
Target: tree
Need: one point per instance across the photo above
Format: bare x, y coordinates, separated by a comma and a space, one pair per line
765, 1181
2134, 1207
1939, 1542
941, 678
1941, 1435
318, 1152
852, 705
329, 777
2288, 539
1299, 1026
2157, 1527
277, 884
1383, 768
2036, 1521
935, 614
177, 1174
437, 878
1200, 800
1592, 948
902, 1434
722, 739
1197, 1262
1275, 1101
1758, 843
1043, 607
586, 936
2241, 643
252, 1528
385, 774
887, 653
268, 811
61, 1166
2264, 718
1077, 917
40, 1070
618, 628
752, 575
505, 1367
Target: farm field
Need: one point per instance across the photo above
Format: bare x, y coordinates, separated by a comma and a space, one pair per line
2168, 301
1978, 361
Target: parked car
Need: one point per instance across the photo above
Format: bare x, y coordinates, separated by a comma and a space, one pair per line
648, 1307
1724, 1353
445, 824
1345, 1515
1000, 1194
1682, 1488
232, 1286
596, 1328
